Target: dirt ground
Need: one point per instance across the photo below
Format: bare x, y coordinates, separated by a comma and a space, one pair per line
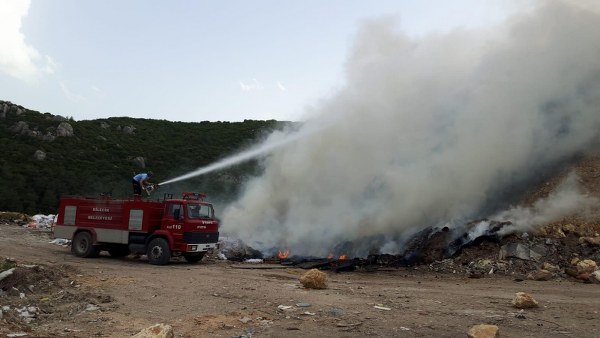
108, 297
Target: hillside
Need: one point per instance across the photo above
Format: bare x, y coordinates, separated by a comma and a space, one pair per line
45, 156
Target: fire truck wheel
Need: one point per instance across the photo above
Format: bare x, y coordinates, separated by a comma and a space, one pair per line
194, 258
83, 245
158, 252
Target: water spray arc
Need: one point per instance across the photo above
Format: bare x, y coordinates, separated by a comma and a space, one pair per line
251, 153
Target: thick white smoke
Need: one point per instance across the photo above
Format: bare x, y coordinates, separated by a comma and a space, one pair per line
430, 129
567, 199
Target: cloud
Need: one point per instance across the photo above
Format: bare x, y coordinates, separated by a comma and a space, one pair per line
450, 126
252, 86
17, 58
71, 96
281, 87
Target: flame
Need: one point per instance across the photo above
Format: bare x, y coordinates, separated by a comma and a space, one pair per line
283, 254
343, 257
330, 256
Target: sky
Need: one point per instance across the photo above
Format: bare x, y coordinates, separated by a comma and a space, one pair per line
198, 61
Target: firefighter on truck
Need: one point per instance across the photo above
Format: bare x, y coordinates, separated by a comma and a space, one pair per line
160, 229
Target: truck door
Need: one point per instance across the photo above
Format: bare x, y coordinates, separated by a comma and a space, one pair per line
174, 217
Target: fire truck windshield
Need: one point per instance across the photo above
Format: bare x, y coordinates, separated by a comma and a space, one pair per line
196, 210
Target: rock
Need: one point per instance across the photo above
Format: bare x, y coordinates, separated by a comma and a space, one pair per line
3, 110
549, 267
540, 275
314, 279
39, 155
64, 129
571, 272
584, 276
483, 331
104, 125
575, 260
156, 331
590, 240
139, 161
586, 265
518, 250
523, 300
20, 127
596, 275
128, 130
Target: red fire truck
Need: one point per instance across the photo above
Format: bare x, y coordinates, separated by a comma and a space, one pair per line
160, 229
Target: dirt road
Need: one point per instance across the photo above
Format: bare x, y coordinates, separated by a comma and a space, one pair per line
108, 297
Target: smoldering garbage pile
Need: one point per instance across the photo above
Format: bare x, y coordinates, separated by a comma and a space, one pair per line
553, 233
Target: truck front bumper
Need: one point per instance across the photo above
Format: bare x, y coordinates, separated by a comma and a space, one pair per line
200, 247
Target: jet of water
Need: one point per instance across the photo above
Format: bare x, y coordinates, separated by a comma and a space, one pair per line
274, 142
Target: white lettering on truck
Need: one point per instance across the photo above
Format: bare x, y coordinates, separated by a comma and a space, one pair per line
101, 209
100, 218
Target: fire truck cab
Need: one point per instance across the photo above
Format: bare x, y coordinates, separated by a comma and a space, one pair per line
160, 229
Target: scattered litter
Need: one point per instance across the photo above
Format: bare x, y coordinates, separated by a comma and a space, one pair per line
60, 241
404, 328
18, 334
335, 312
6, 273
382, 307
284, 307
253, 260
245, 319
341, 324
91, 307
308, 313
303, 305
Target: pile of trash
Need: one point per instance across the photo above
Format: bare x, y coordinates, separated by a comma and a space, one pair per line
41, 222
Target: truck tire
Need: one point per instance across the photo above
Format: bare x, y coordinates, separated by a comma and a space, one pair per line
194, 258
83, 245
117, 250
158, 252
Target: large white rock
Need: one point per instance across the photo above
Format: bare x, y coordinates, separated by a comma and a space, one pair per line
483, 331
523, 300
156, 331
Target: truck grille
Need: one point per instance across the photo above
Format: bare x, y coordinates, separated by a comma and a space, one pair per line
200, 237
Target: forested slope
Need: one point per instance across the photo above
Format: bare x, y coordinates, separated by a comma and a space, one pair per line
44, 156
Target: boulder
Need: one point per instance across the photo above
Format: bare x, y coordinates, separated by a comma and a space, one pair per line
518, 250
540, 275
523, 300
64, 129
3, 110
549, 267
596, 275
139, 161
39, 155
592, 241
20, 127
483, 331
586, 265
128, 130
156, 331
104, 125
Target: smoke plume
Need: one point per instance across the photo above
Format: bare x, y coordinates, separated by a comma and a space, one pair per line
429, 130
567, 199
